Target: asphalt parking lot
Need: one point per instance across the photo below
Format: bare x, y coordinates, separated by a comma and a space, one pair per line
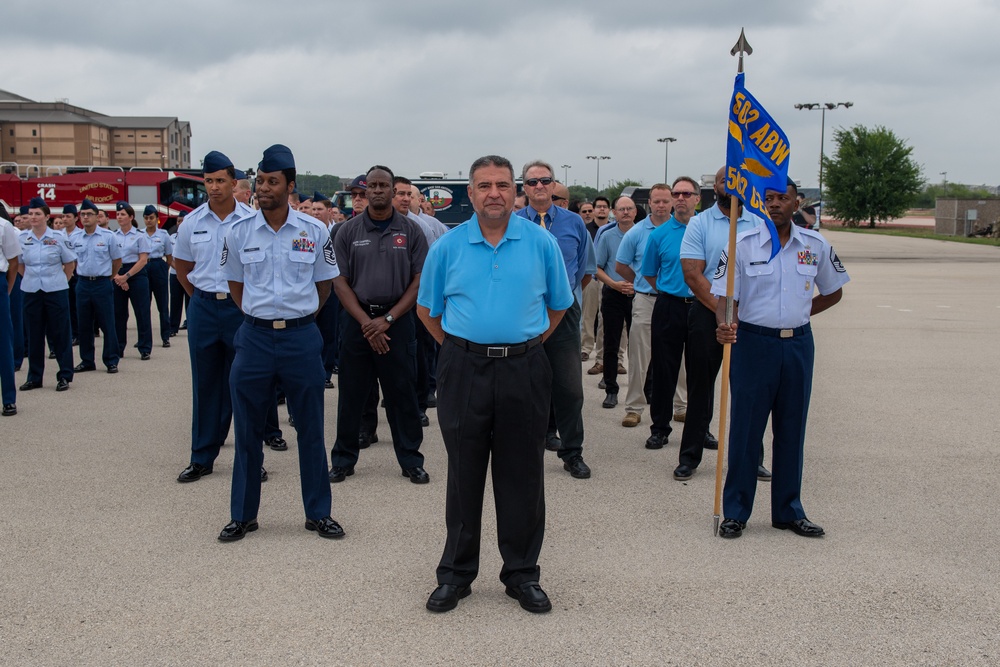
106, 559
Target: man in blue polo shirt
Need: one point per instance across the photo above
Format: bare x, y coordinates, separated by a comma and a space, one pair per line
493, 290
563, 348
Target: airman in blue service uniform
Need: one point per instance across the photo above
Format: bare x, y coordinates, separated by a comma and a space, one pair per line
46, 263
772, 358
69, 218
213, 316
161, 247
99, 257
279, 264
10, 250
132, 282
493, 289
17, 304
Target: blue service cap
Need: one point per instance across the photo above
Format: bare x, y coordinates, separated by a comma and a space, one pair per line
319, 196
36, 202
359, 182
276, 158
69, 208
215, 161
88, 205
120, 206
150, 209
23, 210
240, 174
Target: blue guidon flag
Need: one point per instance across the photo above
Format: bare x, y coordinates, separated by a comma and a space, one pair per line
756, 156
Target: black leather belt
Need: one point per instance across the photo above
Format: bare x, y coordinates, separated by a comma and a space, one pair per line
495, 351
375, 309
217, 296
777, 333
278, 324
156, 259
93, 277
682, 299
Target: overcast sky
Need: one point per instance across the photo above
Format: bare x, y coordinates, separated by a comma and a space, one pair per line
431, 85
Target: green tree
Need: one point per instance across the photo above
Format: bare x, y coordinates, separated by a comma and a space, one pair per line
929, 195
325, 183
871, 176
582, 192
614, 189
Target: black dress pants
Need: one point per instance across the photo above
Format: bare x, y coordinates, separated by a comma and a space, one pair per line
616, 309
669, 329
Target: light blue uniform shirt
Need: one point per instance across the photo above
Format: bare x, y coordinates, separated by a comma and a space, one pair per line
199, 240
279, 270
95, 252
574, 241
778, 294
159, 244
173, 239
495, 295
631, 250
663, 259
43, 260
10, 244
607, 250
133, 244
707, 235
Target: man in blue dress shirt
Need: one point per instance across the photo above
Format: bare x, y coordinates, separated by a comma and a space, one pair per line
99, 258
493, 290
279, 264
772, 358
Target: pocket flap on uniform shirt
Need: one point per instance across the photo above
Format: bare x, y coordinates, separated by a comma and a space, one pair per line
251, 255
302, 256
763, 269
806, 269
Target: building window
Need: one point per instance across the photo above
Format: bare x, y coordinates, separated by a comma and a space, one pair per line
12, 133
11, 150
131, 152
145, 153
34, 150
34, 133
143, 136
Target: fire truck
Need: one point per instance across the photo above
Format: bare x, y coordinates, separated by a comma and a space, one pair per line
172, 192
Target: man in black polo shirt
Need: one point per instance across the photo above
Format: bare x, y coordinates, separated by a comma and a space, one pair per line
381, 254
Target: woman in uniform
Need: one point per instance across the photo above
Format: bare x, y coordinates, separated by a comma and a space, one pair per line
160, 250
132, 283
47, 262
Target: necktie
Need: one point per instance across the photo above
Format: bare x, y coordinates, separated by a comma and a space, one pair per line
541, 220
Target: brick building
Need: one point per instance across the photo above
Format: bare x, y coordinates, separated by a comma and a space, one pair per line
952, 216
58, 133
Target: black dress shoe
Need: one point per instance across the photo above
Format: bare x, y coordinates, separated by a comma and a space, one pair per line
531, 596
432, 400
366, 439
237, 530
29, 385
113, 369
166, 343
602, 384
62, 385
763, 474
291, 421
803, 527
9, 409
610, 401
144, 356
552, 442
417, 475
731, 528
656, 441
338, 474
424, 421
328, 384
76, 341
446, 596
325, 527
711, 442
83, 367
193, 473
183, 327
52, 355
683, 472
277, 443
577, 468
263, 474
336, 370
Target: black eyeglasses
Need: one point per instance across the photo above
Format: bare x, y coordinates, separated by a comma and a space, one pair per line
532, 182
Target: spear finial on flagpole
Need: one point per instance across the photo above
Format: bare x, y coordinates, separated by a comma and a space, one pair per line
742, 47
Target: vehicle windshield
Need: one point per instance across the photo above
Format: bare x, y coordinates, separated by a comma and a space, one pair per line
183, 191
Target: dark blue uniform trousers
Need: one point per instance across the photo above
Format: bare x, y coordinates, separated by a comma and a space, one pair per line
563, 351
493, 413
138, 294
159, 287
264, 358
95, 301
73, 315
8, 389
396, 371
47, 314
178, 300
769, 377
17, 321
327, 321
212, 325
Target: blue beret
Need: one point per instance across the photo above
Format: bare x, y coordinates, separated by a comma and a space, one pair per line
215, 161
23, 210
319, 196
69, 208
240, 174
276, 158
36, 202
359, 182
120, 206
88, 205
150, 209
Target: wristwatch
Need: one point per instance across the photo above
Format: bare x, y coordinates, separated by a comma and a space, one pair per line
389, 318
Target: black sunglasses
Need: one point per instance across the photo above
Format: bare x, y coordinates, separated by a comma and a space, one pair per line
532, 182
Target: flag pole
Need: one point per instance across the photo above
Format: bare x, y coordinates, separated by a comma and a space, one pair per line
742, 47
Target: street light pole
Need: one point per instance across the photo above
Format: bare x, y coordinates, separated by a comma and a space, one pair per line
812, 106
598, 158
666, 141
566, 168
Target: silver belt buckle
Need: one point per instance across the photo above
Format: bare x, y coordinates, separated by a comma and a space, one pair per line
279, 324
220, 296
497, 352
786, 333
